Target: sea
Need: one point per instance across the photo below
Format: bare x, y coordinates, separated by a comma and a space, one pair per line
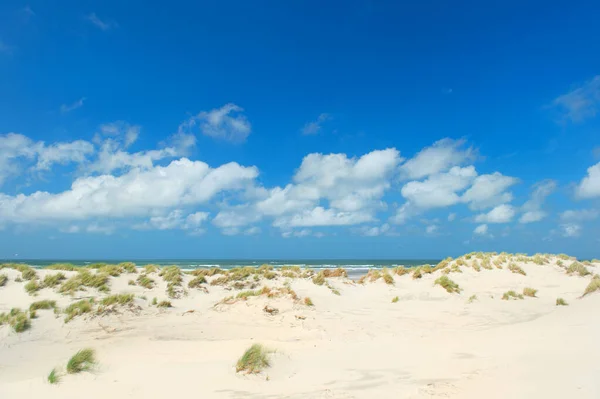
353, 266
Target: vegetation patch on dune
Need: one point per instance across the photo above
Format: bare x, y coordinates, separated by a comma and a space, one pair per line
531, 292
164, 304
78, 308
578, 268
395, 299
45, 304
67, 267
27, 272
151, 269
447, 284
117, 299
173, 276
53, 377
84, 278
513, 267
472, 299
387, 277
83, 360
3, 279
52, 280
593, 286
561, 302
17, 319
308, 302
254, 360
196, 282
511, 295
144, 281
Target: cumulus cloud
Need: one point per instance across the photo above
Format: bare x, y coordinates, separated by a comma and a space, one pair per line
481, 230
580, 215
500, 214
314, 127
65, 108
431, 229
439, 157
439, 190
451, 217
589, 187
580, 103
489, 190
226, 123
532, 208
296, 233
320, 216
16, 148
570, 229
136, 193
175, 219
374, 231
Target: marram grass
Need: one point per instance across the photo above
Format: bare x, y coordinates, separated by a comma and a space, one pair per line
83, 360
254, 360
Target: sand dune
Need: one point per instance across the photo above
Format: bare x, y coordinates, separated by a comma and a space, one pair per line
428, 343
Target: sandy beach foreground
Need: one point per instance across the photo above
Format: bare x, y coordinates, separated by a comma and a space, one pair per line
493, 326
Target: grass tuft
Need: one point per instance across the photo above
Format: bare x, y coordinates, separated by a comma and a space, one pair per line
254, 360
3, 279
516, 269
53, 377
578, 268
83, 279
561, 302
395, 299
83, 360
32, 287
120, 299
197, 281
164, 304
529, 292
511, 295
45, 304
52, 280
144, 281
593, 286
308, 302
17, 319
472, 299
78, 308
447, 284
387, 277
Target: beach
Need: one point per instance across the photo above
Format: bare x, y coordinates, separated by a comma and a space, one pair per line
482, 325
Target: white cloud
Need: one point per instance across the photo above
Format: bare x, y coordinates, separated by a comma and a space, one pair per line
441, 156
532, 216
582, 102
374, 231
116, 137
175, 219
320, 216
489, 190
134, 194
71, 107
225, 123
532, 207
431, 229
101, 24
589, 187
239, 216
16, 149
296, 233
482, 229
439, 190
451, 217
315, 126
570, 229
500, 214
580, 215
63, 153
252, 231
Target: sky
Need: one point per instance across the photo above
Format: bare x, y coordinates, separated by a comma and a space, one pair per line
298, 129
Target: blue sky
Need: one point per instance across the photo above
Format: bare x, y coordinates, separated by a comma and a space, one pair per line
354, 129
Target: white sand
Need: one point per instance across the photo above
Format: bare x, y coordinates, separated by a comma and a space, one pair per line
430, 344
